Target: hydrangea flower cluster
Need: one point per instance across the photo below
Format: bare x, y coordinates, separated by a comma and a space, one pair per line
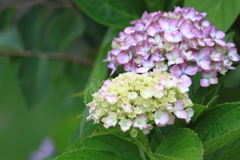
140, 101
182, 41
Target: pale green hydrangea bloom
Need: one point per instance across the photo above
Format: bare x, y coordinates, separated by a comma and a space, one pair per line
140, 101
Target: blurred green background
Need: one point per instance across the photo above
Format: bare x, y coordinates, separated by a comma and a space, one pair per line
49, 51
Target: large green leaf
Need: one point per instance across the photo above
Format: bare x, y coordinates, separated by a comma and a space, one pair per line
181, 144
6, 16
90, 154
77, 74
34, 80
30, 27
218, 126
229, 152
220, 13
10, 39
114, 144
113, 13
198, 109
87, 128
100, 69
65, 29
157, 135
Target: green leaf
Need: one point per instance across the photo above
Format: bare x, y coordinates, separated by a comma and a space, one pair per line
65, 29
115, 145
100, 69
198, 109
218, 126
87, 128
195, 85
91, 89
157, 135
10, 39
101, 130
90, 154
113, 13
229, 36
6, 16
181, 144
34, 80
77, 74
230, 151
30, 27
212, 101
220, 13
205, 94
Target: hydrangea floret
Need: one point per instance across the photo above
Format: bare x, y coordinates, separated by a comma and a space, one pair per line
182, 41
141, 101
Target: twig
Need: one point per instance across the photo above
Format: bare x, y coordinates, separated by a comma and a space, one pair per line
51, 56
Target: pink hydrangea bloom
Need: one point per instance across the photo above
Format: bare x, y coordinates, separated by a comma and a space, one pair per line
173, 38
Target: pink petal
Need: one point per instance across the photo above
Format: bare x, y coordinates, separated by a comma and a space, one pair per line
186, 81
214, 80
163, 24
181, 114
123, 57
179, 105
142, 70
205, 65
204, 82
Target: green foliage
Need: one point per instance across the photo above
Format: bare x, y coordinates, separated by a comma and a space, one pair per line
34, 80
30, 26
90, 154
230, 151
218, 126
114, 144
10, 39
198, 109
218, 11
100, 69
6, 16
181, 144
65, 29
112, 13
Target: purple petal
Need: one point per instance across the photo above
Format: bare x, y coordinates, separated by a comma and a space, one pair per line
204, 54
129, 30
220, 42
163, 24
191, 70
130, 66
220, 35
173, 37
176, 71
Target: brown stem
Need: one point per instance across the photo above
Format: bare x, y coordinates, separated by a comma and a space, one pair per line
51, 56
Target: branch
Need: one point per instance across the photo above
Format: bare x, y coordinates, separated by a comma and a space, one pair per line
51, 56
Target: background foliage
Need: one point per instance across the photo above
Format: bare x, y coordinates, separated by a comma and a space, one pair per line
51, 49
